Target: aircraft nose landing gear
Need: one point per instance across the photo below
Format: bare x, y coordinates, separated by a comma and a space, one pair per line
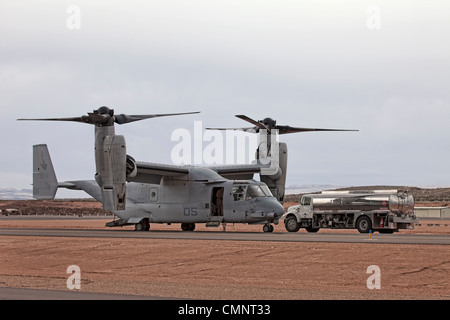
268, 227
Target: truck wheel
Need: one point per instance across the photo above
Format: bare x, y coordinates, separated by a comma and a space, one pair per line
364, 224
291, 224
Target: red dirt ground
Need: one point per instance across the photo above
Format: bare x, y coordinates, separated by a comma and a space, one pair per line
222, 269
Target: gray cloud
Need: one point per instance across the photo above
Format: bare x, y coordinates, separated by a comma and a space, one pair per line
311, 65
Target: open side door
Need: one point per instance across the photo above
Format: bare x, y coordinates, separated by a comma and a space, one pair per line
216, 207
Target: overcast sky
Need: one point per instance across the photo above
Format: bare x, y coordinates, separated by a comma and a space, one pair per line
382, 67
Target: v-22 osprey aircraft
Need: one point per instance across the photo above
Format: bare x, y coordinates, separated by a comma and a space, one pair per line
140, 193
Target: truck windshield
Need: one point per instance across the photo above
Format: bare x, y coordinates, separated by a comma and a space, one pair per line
306, 201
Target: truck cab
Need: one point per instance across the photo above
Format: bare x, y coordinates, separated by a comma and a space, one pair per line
300, 215
305, 208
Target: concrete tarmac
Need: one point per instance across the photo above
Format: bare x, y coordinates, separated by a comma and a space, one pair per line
235, 236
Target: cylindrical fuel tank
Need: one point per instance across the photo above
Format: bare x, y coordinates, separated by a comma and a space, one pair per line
400, 202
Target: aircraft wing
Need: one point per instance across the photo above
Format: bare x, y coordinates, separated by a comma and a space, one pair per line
153, 172
161, 169
239, 171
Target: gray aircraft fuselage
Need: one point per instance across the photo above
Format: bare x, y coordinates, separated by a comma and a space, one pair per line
191, 200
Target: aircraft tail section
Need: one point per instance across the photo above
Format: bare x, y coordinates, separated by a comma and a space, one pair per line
45, 183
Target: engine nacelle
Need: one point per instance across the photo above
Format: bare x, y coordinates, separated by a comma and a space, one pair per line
276, 181
111, 172
131, 167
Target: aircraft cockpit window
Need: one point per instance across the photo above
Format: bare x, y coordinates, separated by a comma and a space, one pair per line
254, 191
239, 192
258, 191
266, 190
246, 192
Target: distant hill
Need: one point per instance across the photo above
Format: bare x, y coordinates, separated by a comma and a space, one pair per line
14, 194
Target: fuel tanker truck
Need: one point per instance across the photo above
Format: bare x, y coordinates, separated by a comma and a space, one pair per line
385, 211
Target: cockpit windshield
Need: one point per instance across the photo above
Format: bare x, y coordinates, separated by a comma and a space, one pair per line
249, 191
266, 190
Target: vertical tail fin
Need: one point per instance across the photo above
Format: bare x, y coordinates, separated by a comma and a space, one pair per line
45, 183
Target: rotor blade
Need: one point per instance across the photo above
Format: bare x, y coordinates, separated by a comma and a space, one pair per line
247, 129
256, 123
289, 129
125, 118
76, 119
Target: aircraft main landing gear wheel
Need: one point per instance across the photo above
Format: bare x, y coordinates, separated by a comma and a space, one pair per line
268, 227
144, 225
188, 226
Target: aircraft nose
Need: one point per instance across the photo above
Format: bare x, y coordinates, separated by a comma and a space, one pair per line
279, 210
